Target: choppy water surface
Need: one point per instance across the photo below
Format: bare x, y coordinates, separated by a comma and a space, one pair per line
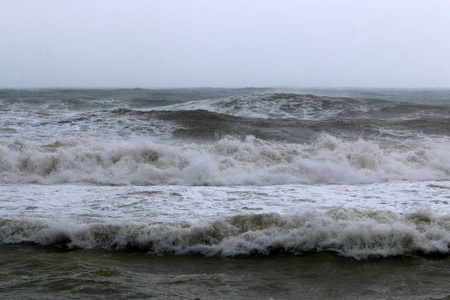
222, 193
97, 274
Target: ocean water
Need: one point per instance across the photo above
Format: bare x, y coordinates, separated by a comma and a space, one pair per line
225, 194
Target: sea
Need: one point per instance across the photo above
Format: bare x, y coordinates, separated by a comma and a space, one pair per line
220, 193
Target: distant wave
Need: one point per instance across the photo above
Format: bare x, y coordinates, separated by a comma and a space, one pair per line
227, 161
310, 107
96, 99
352, 233
273, 116
296, 118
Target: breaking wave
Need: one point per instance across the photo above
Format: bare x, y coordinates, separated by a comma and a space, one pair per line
349, 232
227, 161
309, 107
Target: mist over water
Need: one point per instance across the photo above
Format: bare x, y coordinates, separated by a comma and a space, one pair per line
154, 44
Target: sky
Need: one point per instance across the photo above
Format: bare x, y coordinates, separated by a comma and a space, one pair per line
224, 43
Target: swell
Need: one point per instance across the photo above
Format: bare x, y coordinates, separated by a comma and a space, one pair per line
227, 161
89, 99
281, 117
203, 124
300, 118
311, 107
352, 233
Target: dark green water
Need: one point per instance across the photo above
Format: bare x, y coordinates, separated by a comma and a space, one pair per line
34, 272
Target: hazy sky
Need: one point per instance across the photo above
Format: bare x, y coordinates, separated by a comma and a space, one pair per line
184, 43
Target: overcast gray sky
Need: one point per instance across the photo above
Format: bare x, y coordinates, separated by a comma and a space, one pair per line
184, 43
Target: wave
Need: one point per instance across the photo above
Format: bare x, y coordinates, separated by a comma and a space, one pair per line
282, 117
97, 99
298, 118
349, 232
227, 161
309, 107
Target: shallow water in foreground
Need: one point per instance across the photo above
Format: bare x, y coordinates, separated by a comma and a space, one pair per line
30, 272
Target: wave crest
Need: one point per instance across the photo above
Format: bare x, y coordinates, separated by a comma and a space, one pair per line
352, 233
308, 107
228, 161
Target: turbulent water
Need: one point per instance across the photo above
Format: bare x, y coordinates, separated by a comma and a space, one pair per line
159, 184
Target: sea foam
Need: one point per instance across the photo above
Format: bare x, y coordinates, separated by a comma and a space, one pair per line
228, 161
354, 233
